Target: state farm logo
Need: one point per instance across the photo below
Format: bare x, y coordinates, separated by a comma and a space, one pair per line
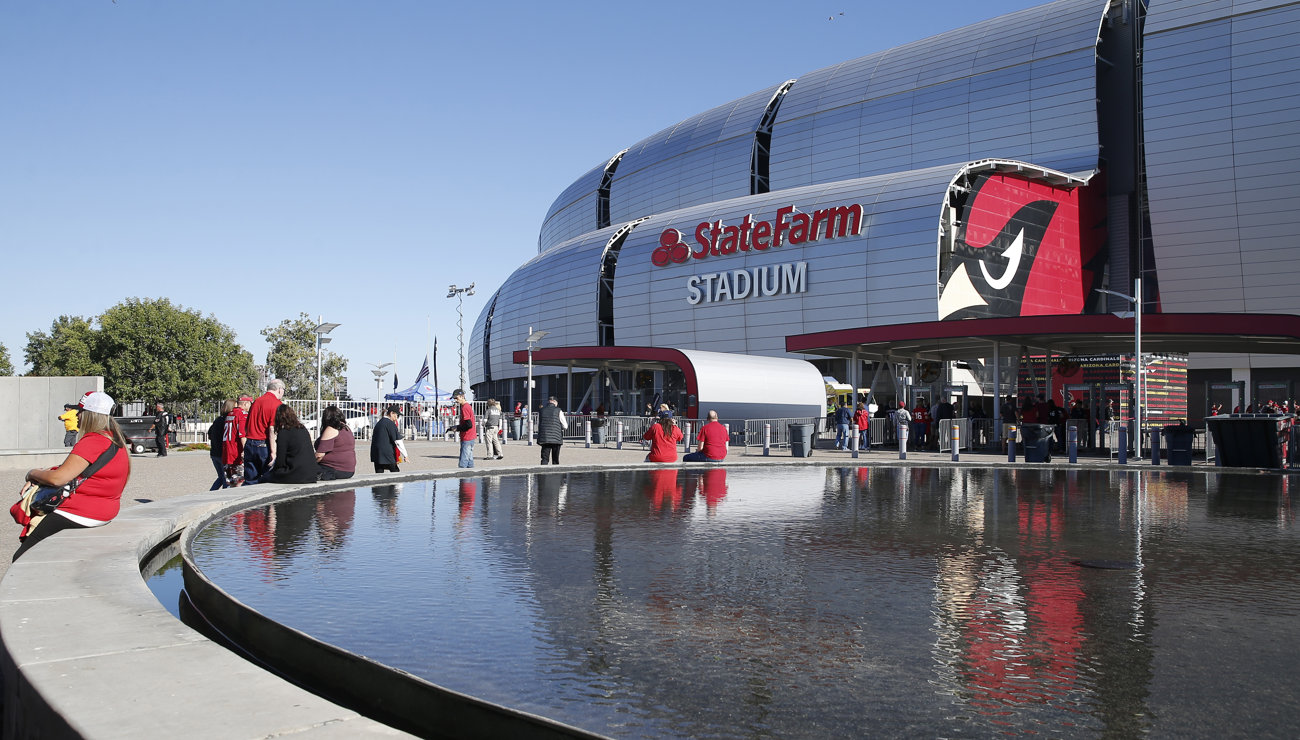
672, 248
791, 226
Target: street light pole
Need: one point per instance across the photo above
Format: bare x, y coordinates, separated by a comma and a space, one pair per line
321, 330
533, 338
459, 294
1139, 384
379, 373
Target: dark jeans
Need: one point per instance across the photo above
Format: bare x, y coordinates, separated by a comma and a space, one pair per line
161, 444
327, 473
221, 472
69, 438
50, 525
697, 457
381, 467
553, 451
257, 461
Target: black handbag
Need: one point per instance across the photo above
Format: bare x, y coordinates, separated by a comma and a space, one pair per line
48, 498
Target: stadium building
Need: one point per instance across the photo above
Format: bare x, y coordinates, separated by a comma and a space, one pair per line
939, 215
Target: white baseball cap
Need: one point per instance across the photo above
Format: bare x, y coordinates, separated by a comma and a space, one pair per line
98, 402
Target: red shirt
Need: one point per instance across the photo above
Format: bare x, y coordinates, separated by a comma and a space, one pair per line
467, 412
232, 450
862, 419
663, 448
261, 415
99, 497
715, 438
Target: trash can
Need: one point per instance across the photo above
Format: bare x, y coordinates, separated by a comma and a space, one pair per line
1250, 440
598, 431
801, 440
516, 428
1178, 443
1038, 439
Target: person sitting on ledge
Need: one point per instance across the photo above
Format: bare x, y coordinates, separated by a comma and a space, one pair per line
663, 436
713, 441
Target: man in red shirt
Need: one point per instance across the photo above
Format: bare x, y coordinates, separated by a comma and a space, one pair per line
258, 449
713, 442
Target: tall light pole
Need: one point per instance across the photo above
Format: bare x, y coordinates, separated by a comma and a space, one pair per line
1139, 385
379, 373
459, 294
321, 330
533, 338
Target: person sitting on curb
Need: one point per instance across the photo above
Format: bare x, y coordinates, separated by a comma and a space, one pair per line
713, 441
663, 436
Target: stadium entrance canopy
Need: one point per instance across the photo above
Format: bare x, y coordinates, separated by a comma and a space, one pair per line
1091, 334
736, 386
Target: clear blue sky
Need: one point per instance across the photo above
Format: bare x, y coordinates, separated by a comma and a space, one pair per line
254, 160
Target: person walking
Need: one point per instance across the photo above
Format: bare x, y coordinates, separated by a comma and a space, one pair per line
216, 444
69, 419
551, 424
492, 429
467, 427
258, 455
902, 421
234, 437
383, 441
713, 438
863, 419
843, 418
663, 436
161, 420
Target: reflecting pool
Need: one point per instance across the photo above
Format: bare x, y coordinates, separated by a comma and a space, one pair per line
807, 601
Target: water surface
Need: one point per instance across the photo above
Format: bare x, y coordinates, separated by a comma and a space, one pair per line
807, 602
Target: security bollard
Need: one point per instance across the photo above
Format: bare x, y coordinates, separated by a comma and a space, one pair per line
1072, 434
1123, 445
1011, 443
767, 440
1155, 446
586, 430
853, 441
902, 441
618, 440
727, 445
956, 442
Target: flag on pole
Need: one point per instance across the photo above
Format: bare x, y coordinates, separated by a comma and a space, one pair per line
435, 364
394, 380
424, 371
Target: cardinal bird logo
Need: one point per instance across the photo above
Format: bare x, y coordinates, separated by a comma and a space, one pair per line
1016, 253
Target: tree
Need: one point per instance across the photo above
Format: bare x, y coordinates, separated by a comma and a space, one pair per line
152, 350
6, 367
292, 358
71, 348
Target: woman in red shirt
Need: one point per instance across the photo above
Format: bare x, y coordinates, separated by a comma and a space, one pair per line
98, 498
663, 436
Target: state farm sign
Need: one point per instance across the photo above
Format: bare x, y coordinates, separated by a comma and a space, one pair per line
717, 239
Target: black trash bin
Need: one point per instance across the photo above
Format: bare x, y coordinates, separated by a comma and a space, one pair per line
598, 431
1250, 440
1038, 439
1178, 443
801, 440
516, 428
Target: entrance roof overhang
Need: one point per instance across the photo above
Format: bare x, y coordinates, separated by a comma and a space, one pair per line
1092, 334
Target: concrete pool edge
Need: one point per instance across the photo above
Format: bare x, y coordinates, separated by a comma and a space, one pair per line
78, 625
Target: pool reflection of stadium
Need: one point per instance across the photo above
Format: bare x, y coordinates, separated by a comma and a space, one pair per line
1013, 625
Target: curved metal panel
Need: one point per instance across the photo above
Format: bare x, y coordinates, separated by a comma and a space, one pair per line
574, 212
1221, 105
648, 178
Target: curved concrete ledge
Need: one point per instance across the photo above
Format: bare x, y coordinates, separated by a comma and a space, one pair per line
88, 651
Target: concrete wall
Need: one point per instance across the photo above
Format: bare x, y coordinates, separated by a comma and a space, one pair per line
30, 407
